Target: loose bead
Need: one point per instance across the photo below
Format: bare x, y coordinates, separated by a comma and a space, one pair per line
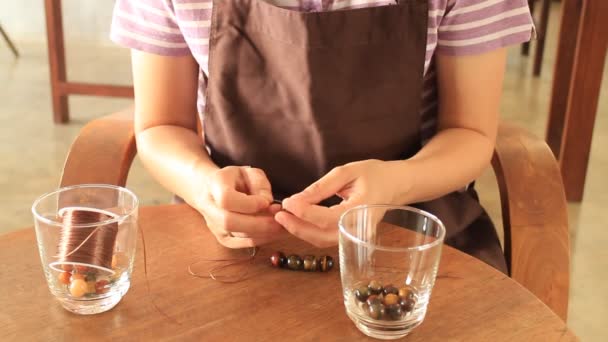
373, 299
394, 311
390, 289
64, 278
277, 259
294, 262
407, 304
362, 293
391, 299
91, 287
375, 287
78, 288
376, 311
407, 292
310, 263
76, 276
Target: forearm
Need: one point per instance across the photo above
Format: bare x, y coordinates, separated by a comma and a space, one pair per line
176, 158
451, 160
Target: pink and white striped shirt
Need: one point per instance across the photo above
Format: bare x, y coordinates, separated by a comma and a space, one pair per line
455, 27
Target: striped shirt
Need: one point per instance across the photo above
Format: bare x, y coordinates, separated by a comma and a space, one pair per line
455, 27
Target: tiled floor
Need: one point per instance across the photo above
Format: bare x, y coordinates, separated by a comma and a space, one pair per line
32, 151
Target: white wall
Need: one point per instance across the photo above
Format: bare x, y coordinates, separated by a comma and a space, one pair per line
88, 20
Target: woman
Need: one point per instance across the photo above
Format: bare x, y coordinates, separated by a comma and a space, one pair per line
373, 101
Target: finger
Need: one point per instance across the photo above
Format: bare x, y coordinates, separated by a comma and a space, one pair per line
327, 186
237, 242
276, 236
318, 215
274, 208
307, 231
229, 199
257, 182
250, 224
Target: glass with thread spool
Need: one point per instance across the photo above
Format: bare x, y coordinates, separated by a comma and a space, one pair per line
86, 238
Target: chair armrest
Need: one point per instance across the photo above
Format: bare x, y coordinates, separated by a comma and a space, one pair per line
103, 152
535, 216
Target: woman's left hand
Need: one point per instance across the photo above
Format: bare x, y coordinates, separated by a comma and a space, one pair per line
364, 182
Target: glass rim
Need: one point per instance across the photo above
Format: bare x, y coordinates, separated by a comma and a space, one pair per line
421, 247
115, 219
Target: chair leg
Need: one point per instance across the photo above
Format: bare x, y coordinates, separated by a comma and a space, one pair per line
54, 27
540, 47
9, 42
525, 47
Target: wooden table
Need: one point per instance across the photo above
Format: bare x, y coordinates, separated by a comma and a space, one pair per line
581, 54
471, 301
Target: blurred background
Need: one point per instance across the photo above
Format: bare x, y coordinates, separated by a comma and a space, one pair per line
33, 148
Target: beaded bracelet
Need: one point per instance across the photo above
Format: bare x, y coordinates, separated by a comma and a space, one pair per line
309, 263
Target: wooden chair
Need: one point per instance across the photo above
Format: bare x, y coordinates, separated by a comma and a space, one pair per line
9, 42
533, 202
543, 23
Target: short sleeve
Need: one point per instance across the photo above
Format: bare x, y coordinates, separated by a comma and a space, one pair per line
476, 26
148, 26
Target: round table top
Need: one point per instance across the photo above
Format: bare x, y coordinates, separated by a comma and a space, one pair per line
470, 302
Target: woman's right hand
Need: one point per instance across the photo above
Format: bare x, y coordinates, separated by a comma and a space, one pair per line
237, 205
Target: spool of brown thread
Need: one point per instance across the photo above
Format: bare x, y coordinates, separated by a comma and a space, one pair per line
83, 241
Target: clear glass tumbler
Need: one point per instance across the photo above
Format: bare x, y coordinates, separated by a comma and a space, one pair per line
389, 257
86, 238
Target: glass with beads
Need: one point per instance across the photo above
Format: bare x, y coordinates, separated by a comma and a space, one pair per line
86, 237
389, 257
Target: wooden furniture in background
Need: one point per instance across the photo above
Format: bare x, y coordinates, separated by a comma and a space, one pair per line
8, 41
470, 302
60, 86
581, 56
533, 203
542, 27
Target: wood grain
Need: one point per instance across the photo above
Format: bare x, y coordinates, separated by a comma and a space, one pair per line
103, 152
540, 44
471, 301
56, 51
96, 89
562, 76
534, 209
584, 96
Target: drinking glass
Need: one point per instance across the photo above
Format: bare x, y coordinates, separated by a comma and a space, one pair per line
106, 229
389, 257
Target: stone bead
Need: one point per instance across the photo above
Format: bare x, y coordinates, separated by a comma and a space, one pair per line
310, 263
294, 262
390, 289
393, 311
78, 288
391, 299
376, 311
407, 292
278, 259
325, 263
375, 287
362, 293
373, 299
407, 304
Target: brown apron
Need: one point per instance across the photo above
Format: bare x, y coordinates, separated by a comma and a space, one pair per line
299, 93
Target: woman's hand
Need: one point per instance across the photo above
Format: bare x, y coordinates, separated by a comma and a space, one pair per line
237, 205
369, 182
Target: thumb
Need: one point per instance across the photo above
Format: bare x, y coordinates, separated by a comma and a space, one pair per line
329, 185
257, 182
